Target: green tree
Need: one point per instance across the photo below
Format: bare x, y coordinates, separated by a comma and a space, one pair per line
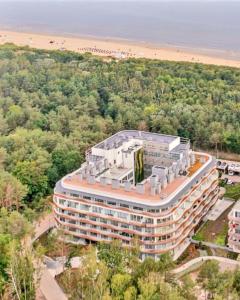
12, 191
119, 285
22, 275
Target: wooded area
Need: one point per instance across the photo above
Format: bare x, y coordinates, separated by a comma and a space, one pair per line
54, 105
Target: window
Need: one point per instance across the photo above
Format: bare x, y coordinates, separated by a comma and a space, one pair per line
149, 246
97, 209
163, 220
72, 222
149, 221
103, 220
62, 201
137, 228
114, 223
111, 203
72, 204
84, 207
86, 197
99, 200
149, 230
153, 210
74, 195
124, 205
122, 215
136, 218
109, 212
137, 208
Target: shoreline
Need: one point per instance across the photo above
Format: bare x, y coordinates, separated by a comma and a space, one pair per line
117, 48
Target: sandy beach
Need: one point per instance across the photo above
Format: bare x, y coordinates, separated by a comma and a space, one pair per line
115, 48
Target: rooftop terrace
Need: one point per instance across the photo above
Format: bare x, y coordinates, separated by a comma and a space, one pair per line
119, 138
76, 183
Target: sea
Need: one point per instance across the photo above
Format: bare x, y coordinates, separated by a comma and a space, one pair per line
200, 25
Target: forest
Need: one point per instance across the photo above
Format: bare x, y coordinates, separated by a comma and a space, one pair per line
54, 105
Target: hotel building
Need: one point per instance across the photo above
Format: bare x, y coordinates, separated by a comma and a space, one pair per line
138, 184
234, 228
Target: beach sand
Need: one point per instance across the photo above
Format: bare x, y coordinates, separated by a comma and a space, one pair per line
118, 49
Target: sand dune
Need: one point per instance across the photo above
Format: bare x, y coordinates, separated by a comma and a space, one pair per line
119, 49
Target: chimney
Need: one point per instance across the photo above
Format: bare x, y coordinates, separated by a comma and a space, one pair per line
106, 164
103, 181
127, 186
164, 183
158, 188
153, 191
170, 177
140, 188
91, 179
153, 180
177, 172
93, 171
115, 184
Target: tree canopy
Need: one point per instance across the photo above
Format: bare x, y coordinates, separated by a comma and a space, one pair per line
54, 105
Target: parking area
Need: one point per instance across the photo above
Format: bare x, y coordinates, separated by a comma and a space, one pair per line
230, 170
234, 178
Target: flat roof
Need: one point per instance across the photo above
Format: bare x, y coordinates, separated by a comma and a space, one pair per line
124, 135
115, 173
74, 182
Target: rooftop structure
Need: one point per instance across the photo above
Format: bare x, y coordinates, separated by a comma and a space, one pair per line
142, 176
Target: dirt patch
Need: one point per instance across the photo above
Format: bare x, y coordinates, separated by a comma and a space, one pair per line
215, 231
190, 253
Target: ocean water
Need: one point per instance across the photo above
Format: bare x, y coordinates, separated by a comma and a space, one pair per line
196, 25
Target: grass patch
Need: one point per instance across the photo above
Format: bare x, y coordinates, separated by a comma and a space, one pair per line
221, 237
201, 234
207, 234
232, 191
214, 231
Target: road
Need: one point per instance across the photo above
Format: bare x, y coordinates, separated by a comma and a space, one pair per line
48, 287
224, 263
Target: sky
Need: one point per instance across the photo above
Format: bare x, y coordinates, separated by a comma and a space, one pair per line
120, 0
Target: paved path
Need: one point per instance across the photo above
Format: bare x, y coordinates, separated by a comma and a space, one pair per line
48, 287
225, 264
42, 226
211, 245
52, 291
219, 208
